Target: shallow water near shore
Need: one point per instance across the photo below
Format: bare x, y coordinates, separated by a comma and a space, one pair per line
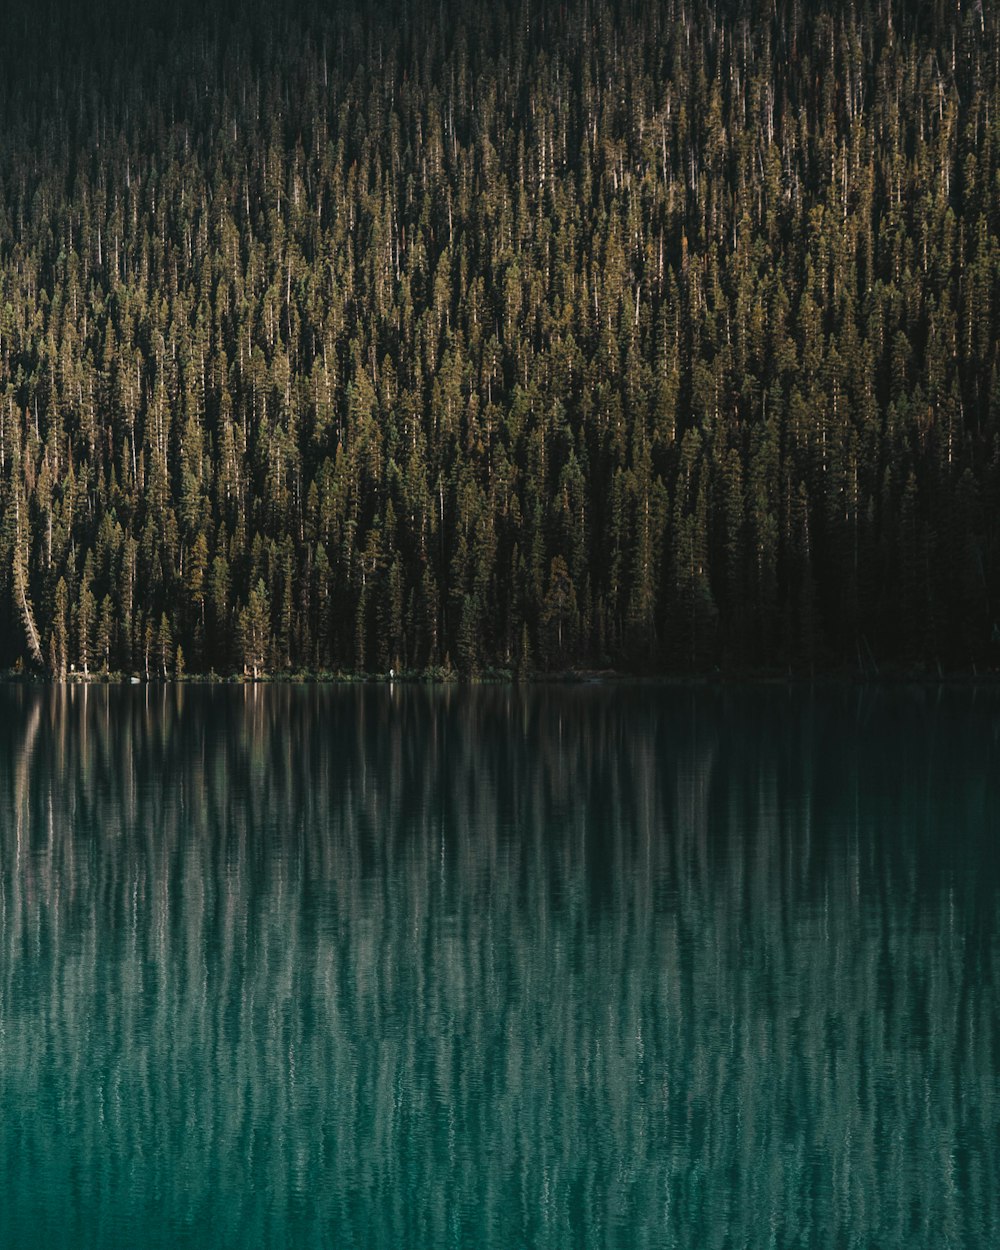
551, 966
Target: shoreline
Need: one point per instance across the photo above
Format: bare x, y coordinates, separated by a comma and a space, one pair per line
570, 677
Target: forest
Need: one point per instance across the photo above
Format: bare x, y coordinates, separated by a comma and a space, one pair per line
458, 337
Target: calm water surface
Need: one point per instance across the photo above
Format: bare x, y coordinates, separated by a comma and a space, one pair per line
295, 967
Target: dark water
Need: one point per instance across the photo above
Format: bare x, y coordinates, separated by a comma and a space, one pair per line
496, 968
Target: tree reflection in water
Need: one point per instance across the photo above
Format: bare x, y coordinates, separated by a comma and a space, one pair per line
561, 966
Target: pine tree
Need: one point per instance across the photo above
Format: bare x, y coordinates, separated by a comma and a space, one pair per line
85, 611
255, 631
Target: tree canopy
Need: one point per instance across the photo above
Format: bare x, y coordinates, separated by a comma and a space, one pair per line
520, 336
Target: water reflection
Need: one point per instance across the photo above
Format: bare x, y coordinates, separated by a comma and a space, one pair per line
567, 966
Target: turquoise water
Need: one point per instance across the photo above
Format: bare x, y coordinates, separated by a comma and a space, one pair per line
568, 966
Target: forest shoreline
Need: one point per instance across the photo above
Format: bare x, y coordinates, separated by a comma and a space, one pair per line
660, 343
891, 676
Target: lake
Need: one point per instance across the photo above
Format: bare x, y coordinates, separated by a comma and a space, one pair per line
559, 966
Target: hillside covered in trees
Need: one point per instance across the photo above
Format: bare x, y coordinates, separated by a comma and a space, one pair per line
511, 336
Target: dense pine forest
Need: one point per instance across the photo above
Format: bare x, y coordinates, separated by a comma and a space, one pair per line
486, 336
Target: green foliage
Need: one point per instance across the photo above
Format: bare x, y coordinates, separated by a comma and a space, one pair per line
255, 631
357, 340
